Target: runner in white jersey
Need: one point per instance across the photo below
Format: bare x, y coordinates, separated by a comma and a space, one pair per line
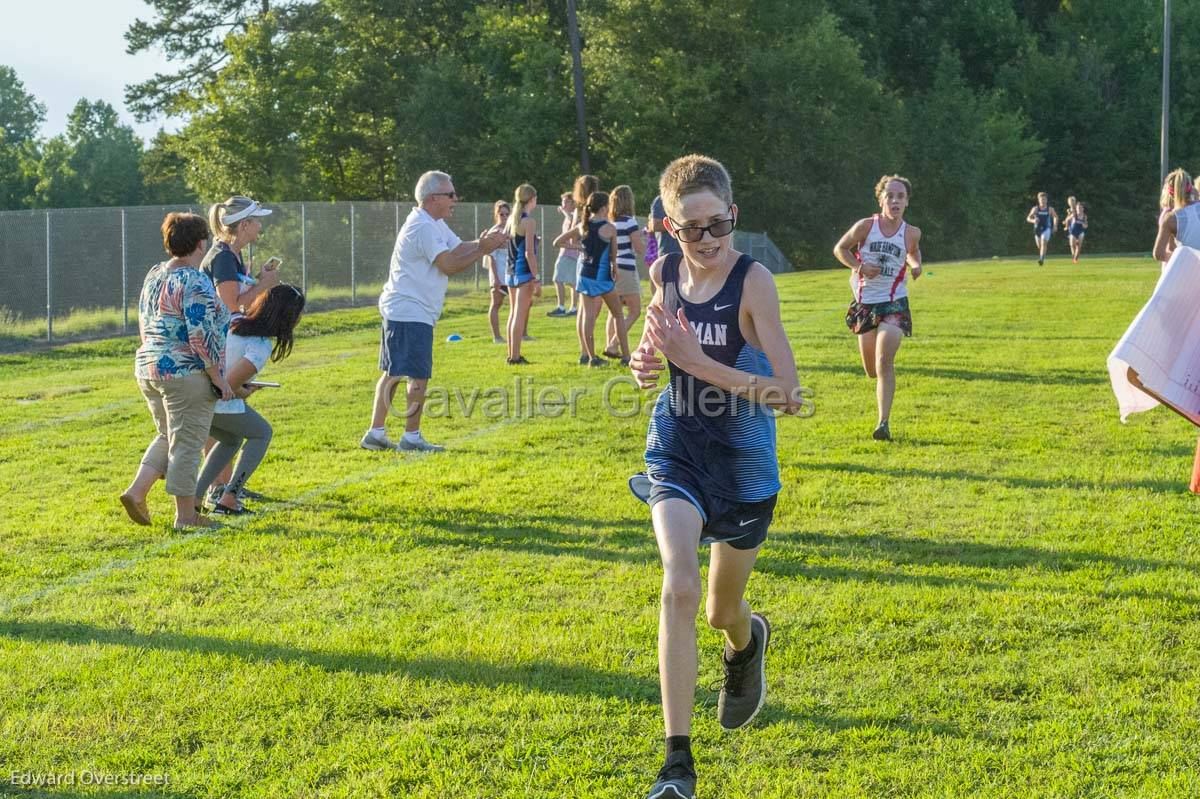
880, 251
888, 253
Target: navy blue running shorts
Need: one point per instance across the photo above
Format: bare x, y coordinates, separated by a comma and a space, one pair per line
742, 525
406, 349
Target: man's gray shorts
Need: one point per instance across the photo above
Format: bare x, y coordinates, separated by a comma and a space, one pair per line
564, 270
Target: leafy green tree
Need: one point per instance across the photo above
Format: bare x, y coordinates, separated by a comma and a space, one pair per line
95, 163
20, 117
20, 113
971, 160
164, 173
981, 103
197, 29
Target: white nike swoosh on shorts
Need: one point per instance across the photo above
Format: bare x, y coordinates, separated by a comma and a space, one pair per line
743, 524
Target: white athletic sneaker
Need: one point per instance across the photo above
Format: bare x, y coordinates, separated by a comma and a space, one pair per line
377, 441
420, 445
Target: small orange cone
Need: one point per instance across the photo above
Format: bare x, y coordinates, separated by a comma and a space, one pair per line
1195, 486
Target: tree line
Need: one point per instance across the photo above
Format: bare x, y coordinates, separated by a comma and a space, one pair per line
97, 162
981, 103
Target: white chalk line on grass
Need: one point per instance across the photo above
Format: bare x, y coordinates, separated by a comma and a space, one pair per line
91, 575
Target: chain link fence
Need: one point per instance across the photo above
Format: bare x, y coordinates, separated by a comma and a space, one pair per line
73, 274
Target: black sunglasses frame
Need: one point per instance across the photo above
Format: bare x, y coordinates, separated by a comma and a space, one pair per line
685, 234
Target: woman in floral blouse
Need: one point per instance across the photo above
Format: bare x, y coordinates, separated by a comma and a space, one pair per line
182, 325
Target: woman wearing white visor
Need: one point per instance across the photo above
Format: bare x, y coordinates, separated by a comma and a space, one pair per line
236, 223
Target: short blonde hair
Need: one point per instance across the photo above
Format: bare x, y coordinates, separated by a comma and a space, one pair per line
620, 202
881, 186
693, 174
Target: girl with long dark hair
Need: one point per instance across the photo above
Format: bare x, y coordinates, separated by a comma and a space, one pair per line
273, 316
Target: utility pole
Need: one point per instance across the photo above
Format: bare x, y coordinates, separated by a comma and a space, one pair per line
577, 72
1166, 91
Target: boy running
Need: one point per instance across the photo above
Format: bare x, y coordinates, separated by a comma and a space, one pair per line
1044, 219
712, 474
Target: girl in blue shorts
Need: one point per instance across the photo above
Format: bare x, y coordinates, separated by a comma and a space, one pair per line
597, 240
521, 272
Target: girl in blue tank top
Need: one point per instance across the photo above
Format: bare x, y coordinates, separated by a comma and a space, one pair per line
521, 271
596, 239
1076, 224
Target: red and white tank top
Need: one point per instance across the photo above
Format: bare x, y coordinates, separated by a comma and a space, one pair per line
890, 254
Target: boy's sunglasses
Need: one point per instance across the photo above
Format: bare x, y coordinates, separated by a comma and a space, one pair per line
694, 233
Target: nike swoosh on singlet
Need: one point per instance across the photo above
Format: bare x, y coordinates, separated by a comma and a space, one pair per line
743, 524
722, 307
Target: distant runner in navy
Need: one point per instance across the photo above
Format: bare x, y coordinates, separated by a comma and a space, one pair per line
1044, 219
712, 474
1076, 224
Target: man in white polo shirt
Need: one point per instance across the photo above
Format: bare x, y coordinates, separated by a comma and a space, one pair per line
426, 254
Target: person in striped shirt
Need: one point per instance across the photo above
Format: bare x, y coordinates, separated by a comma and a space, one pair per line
631, 246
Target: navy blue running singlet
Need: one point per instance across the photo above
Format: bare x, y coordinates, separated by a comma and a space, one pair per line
1042, 215
703, 435
518, 271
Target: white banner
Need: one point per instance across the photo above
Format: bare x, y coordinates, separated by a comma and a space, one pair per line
1162, 345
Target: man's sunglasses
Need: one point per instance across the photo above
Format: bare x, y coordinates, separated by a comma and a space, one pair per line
453, 195
694, 233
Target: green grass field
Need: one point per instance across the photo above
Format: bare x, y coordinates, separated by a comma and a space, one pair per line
1003, 602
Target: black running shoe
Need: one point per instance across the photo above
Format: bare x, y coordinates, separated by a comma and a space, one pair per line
640, 485
225, 510
584, 360
745, 687
676, 779
882, 433
598, 362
